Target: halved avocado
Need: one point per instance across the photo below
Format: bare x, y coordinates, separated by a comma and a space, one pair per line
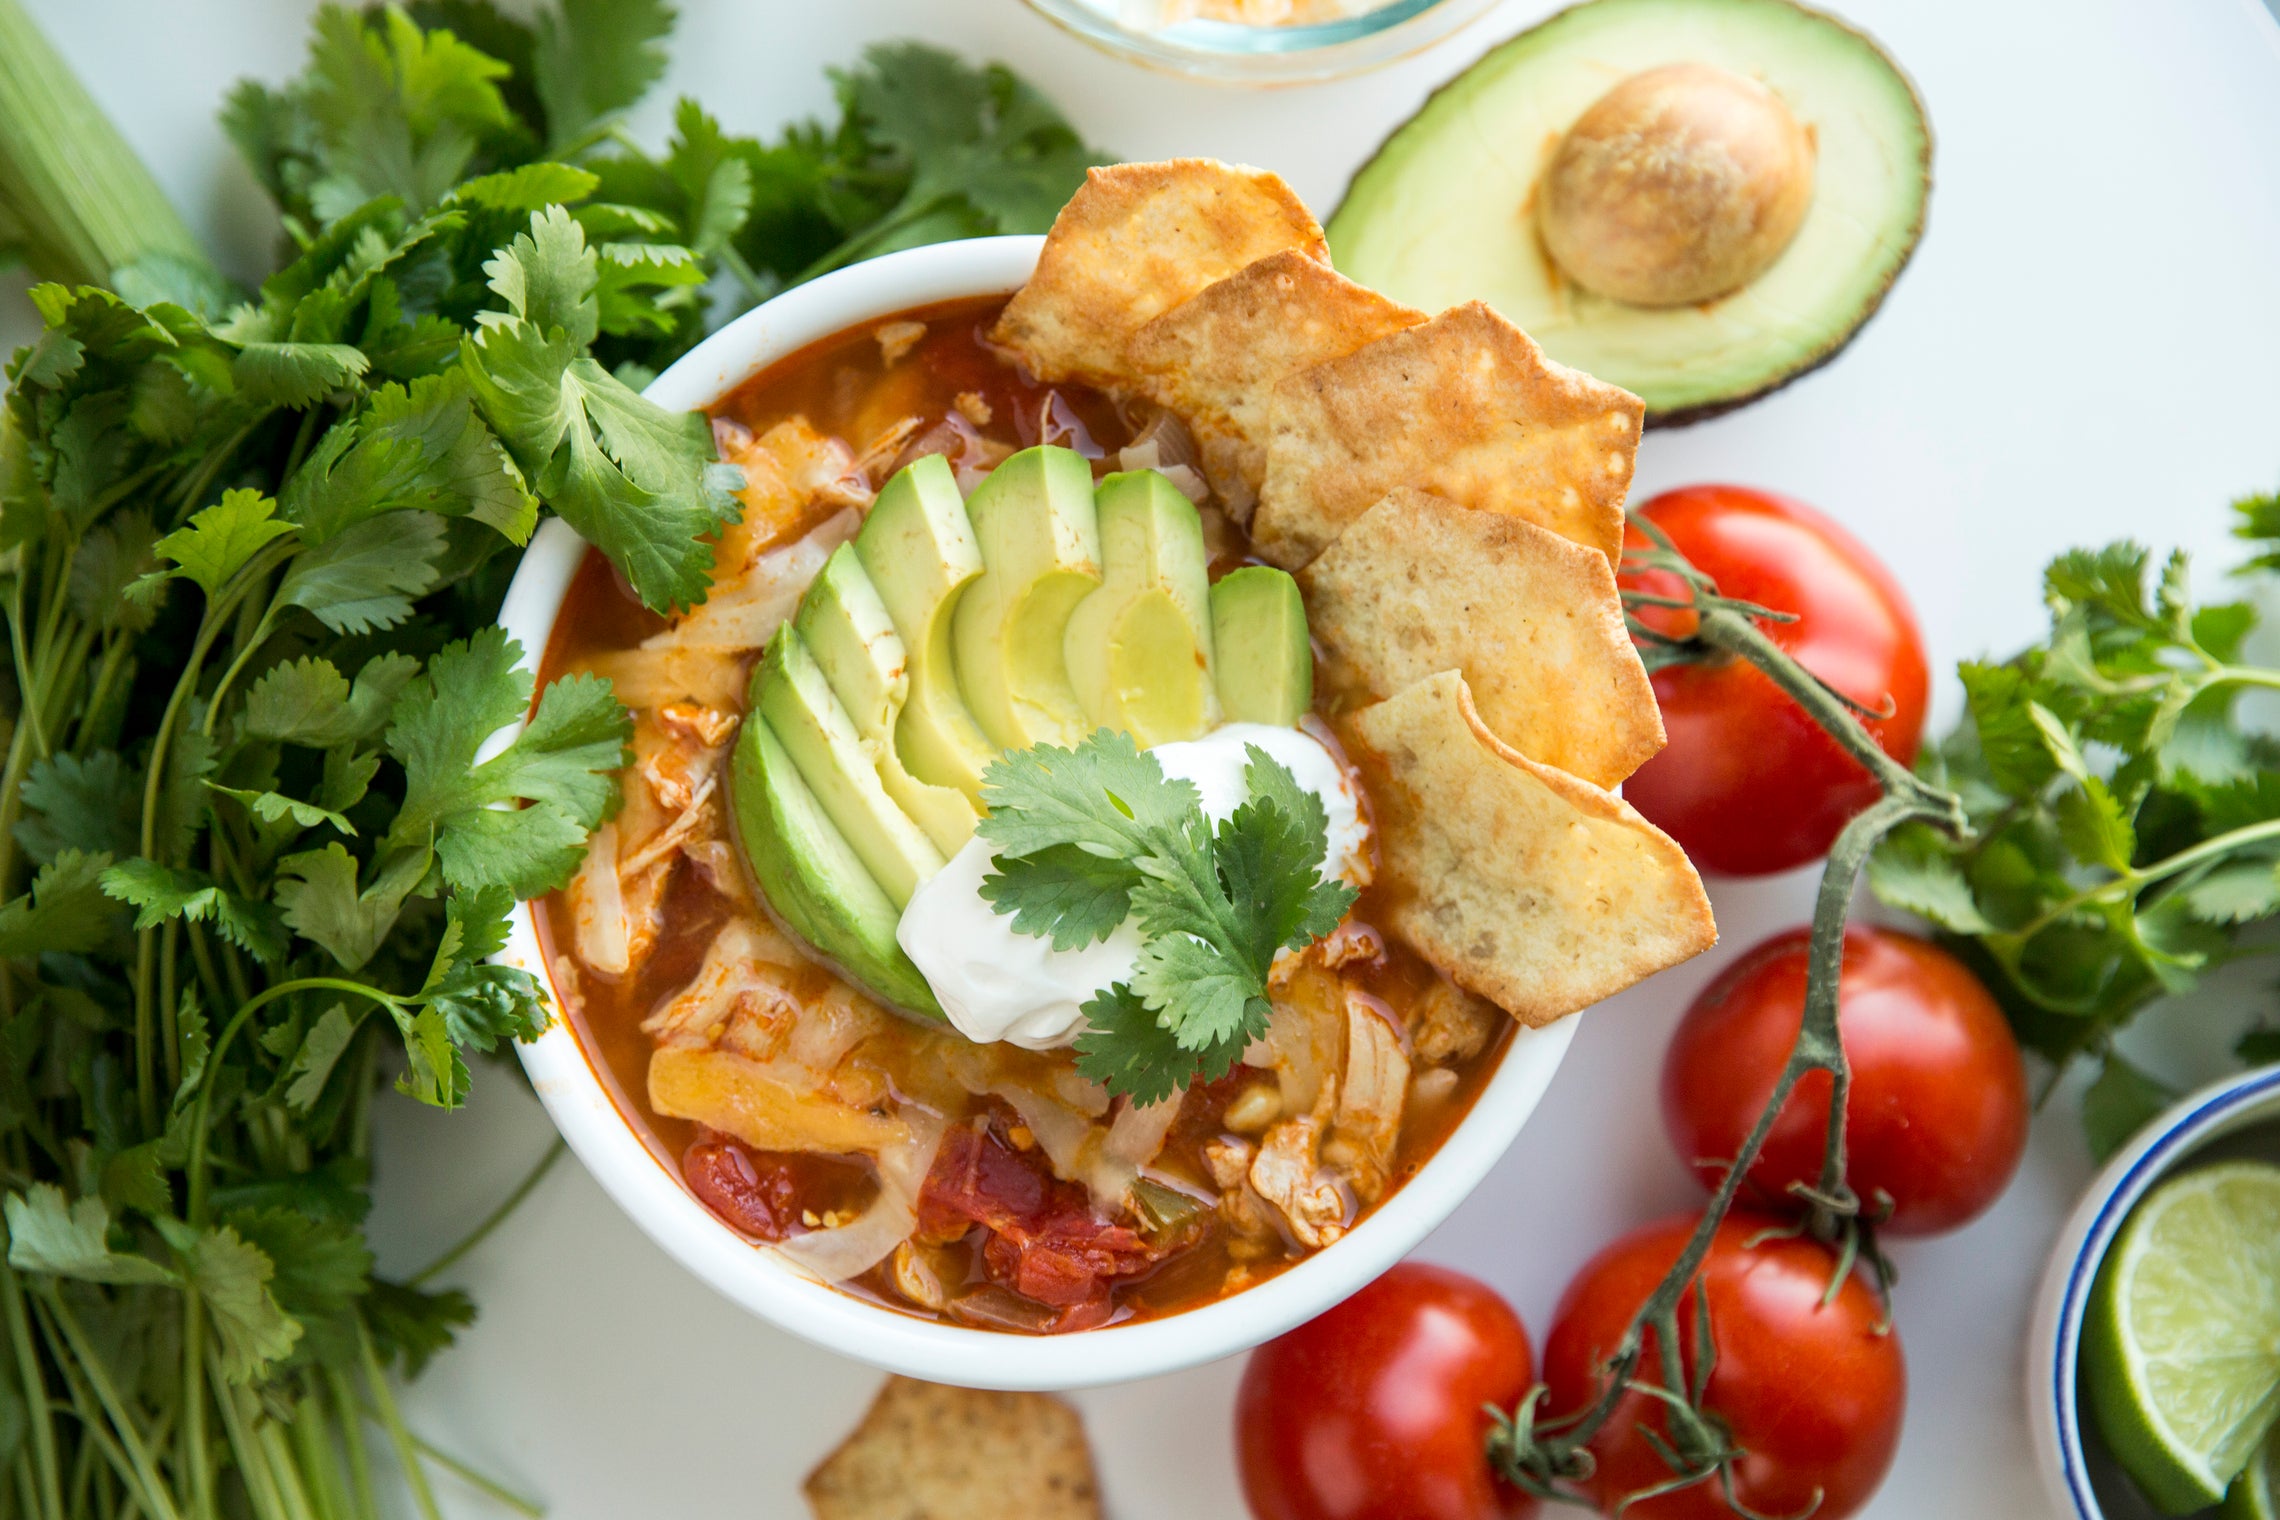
811, 876
1445, 211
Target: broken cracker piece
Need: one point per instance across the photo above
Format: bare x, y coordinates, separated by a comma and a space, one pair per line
1519, 882
1418, 585
1467, 407
926, 1451
1216, 357
1135, 241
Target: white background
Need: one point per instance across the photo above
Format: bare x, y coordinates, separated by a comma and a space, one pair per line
2083, 349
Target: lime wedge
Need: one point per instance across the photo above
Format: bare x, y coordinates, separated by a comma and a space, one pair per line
2252, 1492
2181, 1352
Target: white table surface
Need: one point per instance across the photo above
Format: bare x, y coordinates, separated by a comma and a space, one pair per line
2083, 349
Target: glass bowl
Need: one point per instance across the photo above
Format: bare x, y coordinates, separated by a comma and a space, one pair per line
1233, 53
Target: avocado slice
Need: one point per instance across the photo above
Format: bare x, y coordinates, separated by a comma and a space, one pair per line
847, 629
811, 876
1262, 661
918, 548
1040, 538
797, 703
1139, 648
1438, 216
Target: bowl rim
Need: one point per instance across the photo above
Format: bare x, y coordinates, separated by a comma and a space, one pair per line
579, 1101
2053, 1360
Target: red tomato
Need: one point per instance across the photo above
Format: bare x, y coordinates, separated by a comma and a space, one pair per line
1374, 1411
1812, 1394
1748, 783
1937, 1115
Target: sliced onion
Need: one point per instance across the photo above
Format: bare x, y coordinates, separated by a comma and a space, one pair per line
1134, 1139
858, 1246
1163, 443
598, 907
1060, 1130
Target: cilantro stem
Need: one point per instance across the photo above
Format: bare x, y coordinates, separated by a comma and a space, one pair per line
2129, 883
384, 1407
345, 1410
154, 1498
496, 1217
200, 1120
35, 1393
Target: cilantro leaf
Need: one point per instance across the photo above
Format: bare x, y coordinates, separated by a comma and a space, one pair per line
561, 766
271, 807
420, 447
309, 702
1126, 1048
233, 1278
411, 1324
296, 375
631, 477
49, 1233
319, 1052
160, 893
65, 911
71, 803
368, 576
318, 895
595, 58
1064, 893
219, 541
1090, 836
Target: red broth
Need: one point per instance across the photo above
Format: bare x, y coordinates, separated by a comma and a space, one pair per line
1002, 1241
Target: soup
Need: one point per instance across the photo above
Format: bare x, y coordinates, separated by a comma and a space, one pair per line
979, 1183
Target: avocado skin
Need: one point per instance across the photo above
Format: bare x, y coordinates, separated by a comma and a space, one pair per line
1263, 661
810, 878
1869, 300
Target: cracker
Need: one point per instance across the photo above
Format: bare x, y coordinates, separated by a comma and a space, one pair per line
1466, 406
1419, 585
1534, 889
1216, 357
1136, 241
930, 1452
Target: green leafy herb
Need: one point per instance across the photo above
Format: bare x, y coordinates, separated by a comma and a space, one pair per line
2126, 823
1087, 836
260, 823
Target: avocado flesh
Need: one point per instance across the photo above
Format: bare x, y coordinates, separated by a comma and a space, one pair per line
1436, 218
797, 703
918, 548
811, 876
1138, 649
854, 642
1263, 662
1040, 538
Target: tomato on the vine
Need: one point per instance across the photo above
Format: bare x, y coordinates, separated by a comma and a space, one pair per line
1376, 1409
1811, 1394
1749, 783
1936, 1118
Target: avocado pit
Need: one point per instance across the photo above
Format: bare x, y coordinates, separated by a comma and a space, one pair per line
1679, 185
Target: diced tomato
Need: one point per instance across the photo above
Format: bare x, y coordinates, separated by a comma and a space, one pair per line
1044, 1241
758, 1194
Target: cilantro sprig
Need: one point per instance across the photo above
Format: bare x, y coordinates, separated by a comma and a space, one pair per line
257, 840
1090, 836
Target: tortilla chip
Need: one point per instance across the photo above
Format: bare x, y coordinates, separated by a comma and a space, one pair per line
929, 1452
1136, 241
1538, 891
1215, 358
1466, 406
1420, 585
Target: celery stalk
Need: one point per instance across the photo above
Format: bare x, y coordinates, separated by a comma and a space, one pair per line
74, 199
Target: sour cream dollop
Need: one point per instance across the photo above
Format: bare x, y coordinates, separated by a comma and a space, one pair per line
996, 984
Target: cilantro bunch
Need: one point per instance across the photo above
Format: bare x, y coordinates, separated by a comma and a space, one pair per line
2126, 822
257, 843
1090, 836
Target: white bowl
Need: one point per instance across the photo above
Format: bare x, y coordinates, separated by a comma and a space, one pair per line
755, 1276
2091, 1486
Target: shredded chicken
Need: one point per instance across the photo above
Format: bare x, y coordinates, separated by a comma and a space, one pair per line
1370, 1099
897, 339
1452, 1024
744, 982
1289, 1175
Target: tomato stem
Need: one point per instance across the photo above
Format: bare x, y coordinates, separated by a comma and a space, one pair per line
1548, 1457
